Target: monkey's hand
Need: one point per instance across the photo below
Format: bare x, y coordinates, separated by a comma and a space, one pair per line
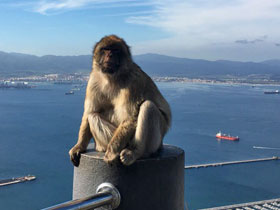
75, 154
112, 152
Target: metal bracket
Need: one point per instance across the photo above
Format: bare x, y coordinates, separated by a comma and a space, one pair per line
108, 187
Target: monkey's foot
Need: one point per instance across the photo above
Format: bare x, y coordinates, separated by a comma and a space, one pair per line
110, 157
111, 153
127, 157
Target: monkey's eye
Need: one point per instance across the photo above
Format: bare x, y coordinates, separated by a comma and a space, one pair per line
104, 49
109, 49
115, 51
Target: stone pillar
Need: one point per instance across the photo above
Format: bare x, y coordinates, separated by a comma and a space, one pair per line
154, 183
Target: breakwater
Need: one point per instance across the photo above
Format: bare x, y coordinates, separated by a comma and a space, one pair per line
16, 180
231, 162
273, 204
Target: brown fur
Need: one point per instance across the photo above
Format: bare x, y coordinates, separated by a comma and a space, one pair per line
124, 111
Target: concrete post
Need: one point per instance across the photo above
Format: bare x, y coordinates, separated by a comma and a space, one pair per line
155, 183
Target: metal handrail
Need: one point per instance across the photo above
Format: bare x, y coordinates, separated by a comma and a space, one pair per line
106, 194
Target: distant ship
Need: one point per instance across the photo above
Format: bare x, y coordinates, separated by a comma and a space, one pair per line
17, 180
71, 92
226, 137
17, 85
272, 92
63, 82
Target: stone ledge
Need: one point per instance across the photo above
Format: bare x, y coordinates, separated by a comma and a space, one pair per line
154, 183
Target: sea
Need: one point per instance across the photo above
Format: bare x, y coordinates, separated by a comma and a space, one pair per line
38, 126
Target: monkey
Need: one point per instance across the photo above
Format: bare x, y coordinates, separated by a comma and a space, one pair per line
124, 112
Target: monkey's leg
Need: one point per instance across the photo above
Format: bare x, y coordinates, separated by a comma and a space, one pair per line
102, 131
123, 134
151, 127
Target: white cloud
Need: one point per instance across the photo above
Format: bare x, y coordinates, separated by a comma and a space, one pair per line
215, 24
215, 19
44, 7
47, 7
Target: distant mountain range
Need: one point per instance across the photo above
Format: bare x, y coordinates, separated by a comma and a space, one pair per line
172, 66
153, 64
11, 63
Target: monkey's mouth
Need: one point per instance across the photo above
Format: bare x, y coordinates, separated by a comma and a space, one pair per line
109, 67
109, 64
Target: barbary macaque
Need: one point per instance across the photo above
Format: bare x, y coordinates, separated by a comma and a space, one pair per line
124, 111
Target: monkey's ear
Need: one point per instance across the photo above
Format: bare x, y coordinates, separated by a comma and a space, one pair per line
128, 50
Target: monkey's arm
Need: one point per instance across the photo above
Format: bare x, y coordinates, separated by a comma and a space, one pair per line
120, 139
83, 141
84, 133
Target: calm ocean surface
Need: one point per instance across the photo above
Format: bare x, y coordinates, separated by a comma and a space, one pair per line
39, 126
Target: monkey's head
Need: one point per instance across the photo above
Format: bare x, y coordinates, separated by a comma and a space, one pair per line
111, 53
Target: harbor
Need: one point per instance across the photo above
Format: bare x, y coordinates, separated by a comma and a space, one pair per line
230, 162
16, 180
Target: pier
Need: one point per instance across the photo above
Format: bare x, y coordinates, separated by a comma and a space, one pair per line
230, 163
16, 180
273, 204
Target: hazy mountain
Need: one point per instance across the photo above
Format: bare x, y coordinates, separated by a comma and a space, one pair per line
273, 62
153, 64
166, 65
16, 62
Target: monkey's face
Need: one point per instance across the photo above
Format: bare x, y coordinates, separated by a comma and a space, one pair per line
111, 53
110, 59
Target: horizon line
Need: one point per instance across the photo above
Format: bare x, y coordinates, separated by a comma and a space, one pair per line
149, 53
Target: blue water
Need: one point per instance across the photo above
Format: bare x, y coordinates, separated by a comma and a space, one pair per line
39, 126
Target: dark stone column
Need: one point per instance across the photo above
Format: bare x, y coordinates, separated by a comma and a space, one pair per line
154, 183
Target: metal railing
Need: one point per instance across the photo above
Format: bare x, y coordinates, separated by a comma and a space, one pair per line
106, 195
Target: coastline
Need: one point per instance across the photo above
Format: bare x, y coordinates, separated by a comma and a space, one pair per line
217, 81
83, 78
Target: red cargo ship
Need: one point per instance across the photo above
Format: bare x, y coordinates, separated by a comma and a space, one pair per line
227, 137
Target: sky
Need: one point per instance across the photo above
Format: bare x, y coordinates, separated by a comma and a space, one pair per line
238, 30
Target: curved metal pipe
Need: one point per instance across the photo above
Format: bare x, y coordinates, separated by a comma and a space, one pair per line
107, 194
